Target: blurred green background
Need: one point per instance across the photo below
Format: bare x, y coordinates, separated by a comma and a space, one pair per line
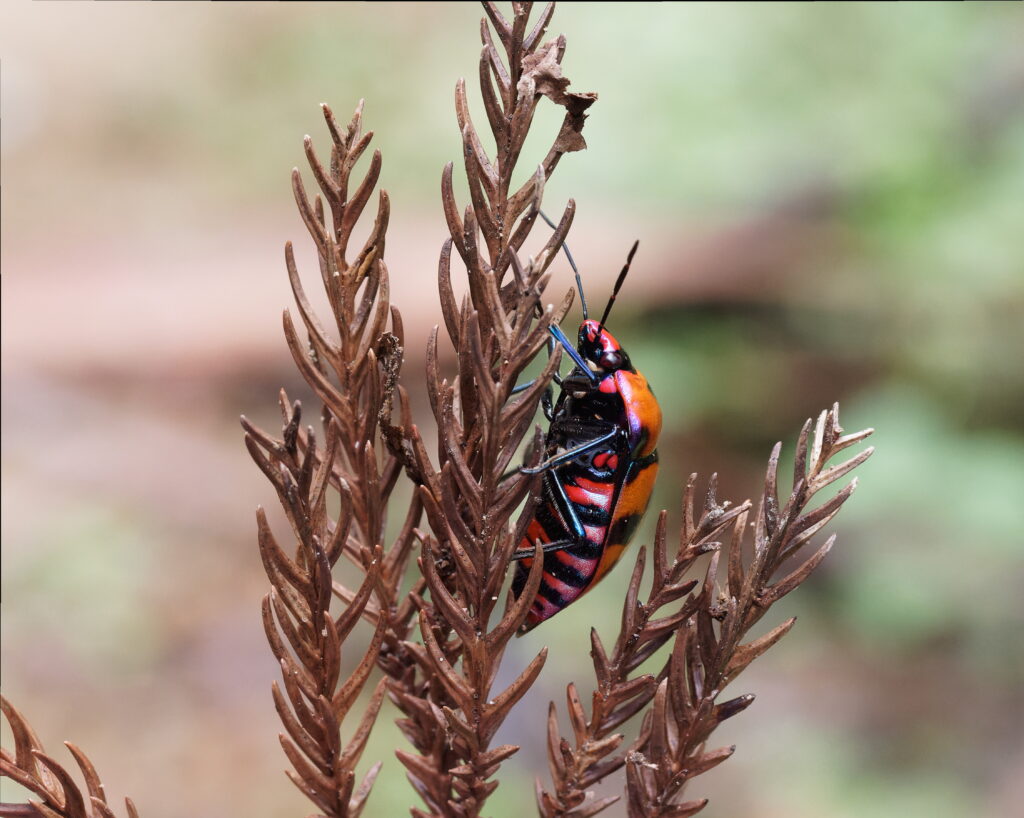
830, 202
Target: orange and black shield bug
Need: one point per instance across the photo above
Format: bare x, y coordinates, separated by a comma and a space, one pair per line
599, 469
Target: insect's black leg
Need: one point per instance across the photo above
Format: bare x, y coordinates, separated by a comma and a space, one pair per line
556, 493
565, 508
557, 545
573, 453
547, 404
524, 386
557, 378
582, 427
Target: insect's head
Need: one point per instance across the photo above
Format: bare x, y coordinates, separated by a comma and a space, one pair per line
600, 349
597, 348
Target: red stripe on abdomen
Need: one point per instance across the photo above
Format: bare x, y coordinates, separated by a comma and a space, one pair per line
594, 494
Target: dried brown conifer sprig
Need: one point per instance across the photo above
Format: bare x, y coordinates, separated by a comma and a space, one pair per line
469, 496
709, 652
708, 628
58, 794
354, 375
619, 695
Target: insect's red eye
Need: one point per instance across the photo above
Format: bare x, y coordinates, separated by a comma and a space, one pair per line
611, 360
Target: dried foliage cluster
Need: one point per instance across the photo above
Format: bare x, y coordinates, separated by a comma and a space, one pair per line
354, 377
56, 793
682, 699
434, 628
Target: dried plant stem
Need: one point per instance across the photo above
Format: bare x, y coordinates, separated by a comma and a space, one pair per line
618, 696
468, 497
709, 628
354, 376
59, 796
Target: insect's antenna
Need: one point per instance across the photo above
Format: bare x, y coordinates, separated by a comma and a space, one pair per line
571, 351
572, 263
618, 284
